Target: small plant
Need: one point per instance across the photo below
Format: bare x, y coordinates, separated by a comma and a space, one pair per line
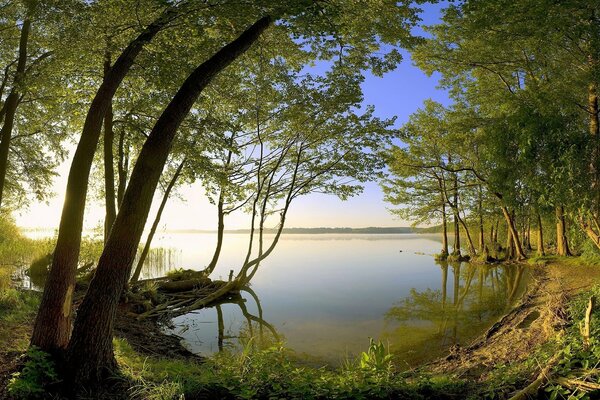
38, 372
376, 358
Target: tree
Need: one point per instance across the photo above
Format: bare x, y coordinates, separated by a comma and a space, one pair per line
53, 321
90, 351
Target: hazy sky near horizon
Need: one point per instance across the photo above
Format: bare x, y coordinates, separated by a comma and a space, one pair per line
398, 93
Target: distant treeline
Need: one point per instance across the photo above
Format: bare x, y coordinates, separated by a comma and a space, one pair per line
386, 230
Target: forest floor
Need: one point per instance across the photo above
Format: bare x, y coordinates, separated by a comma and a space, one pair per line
538, 318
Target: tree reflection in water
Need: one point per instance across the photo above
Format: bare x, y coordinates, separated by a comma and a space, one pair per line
430, 321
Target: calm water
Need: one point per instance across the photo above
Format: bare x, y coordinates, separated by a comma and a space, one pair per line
327, 294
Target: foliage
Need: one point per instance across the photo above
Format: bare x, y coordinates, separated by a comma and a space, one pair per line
273, 373
38, 372
577, 360
377, 358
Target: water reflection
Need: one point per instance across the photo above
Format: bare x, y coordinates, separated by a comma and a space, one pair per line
427, 322
254, 331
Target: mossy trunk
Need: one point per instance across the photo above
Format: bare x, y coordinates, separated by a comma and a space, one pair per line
562, 243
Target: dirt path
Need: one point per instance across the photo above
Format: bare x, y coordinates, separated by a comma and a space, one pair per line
534, 320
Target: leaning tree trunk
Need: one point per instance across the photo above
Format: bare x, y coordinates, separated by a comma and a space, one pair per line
109, 170
11, 105
220, 216
513, 234
540, 236
90, 351
472, 250
220, 232
163, 203
562, 243
53, 322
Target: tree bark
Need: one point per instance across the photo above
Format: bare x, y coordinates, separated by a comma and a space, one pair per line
90, 351
472, 250
123, 166
480, 212
11, 105
444, 231
220, 232
53, 322
163, 203
562, 243
109, 170
540, 236
496, 231
513, 234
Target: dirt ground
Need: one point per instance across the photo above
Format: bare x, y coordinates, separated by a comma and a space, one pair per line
538, 317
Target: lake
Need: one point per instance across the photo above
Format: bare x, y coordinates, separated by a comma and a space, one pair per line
327, 294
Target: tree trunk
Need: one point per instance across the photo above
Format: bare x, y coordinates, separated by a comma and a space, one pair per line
510, 244
472, 250
90, 351
53, 321
123, 167
562, 243
220, 216
481, 231
513, 234
456, 244
220, 231
109, 170
496, 231
540, 236
456, 247
444, 231
528, 233
163, 203
11, 105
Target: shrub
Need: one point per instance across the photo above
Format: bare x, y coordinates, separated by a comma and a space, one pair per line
38, 373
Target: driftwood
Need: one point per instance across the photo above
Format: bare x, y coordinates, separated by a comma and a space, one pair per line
183, 285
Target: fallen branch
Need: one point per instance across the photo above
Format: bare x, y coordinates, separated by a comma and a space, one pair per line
531, 390
574, 383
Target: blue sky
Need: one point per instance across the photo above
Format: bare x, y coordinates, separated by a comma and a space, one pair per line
398, 93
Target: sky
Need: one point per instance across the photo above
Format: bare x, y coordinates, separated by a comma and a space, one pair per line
398, 93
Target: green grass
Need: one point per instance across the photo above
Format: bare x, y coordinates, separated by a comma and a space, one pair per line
273, 374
